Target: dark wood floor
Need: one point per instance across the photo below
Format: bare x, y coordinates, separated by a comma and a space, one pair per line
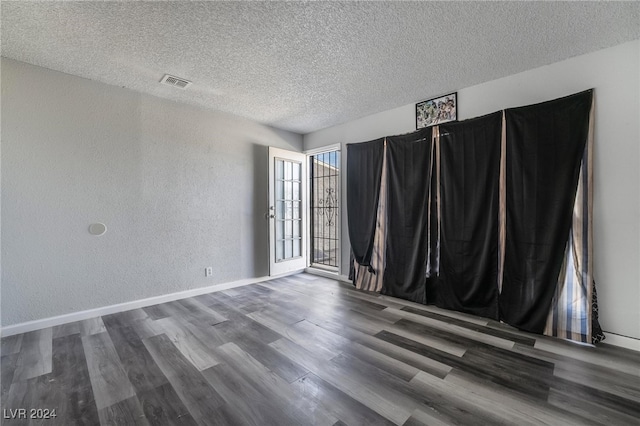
309, 350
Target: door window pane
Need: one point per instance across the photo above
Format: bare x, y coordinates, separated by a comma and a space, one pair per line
288, 170
279, 229
296, 191
288, 190
297, 247
296, 210
288, 249
296, 171
297, 224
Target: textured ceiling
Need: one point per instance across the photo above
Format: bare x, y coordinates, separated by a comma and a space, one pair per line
306, 66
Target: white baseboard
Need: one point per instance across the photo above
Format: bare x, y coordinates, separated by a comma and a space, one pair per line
622, 341
121, 307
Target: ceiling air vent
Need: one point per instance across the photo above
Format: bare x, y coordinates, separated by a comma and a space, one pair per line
171, 80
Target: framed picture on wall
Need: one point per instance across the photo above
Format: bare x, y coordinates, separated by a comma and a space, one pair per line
437, 111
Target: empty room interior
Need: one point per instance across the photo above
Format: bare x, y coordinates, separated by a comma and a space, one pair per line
320, 213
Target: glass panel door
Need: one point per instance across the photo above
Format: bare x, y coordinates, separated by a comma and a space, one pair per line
287, 215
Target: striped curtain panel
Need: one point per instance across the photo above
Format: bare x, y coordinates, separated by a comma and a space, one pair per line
572, 313
365, 279
544, 150
364, 172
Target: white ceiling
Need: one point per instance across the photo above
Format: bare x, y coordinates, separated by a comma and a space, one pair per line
305, 66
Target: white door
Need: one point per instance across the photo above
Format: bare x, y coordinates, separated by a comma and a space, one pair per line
287, 211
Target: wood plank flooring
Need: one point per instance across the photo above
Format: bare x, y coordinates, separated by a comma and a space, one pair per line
307, 350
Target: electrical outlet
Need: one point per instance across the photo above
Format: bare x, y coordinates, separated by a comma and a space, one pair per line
208, 271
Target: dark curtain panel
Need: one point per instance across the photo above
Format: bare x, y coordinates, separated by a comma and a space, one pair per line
408, 168
545, 145
469, 188
364, 168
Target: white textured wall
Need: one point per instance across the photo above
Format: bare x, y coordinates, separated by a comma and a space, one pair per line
0, 192
615, 75
179, 188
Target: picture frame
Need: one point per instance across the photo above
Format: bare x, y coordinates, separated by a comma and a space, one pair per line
442, 109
